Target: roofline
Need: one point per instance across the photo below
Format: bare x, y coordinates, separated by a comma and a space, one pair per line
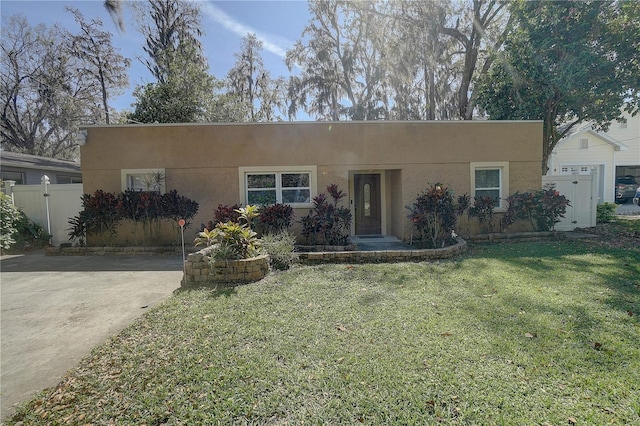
617, 146
293, 123
19, 160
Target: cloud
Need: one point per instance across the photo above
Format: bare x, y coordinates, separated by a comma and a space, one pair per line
276, 45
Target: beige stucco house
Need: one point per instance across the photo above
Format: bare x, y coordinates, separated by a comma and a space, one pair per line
381, 165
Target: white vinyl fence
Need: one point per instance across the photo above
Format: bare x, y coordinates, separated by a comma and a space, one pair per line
582, 192
64, 203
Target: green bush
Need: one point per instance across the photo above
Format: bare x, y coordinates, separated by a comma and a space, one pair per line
102, 212
17, 231
327, 223
543, 208
483, 210
276, 218
281, 249
9, 215
605, 213
233, 241
434, 215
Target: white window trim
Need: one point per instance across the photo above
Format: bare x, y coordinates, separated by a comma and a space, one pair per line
504, 180
313, 180
125, 173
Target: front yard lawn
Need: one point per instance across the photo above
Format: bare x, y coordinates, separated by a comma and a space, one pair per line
528, 333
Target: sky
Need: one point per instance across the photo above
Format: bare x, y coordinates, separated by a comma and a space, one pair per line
277, 23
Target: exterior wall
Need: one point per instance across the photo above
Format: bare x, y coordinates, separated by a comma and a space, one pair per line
600, 154
201, 161
34, 176
629, 134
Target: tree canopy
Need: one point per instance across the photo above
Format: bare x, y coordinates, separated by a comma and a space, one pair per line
562, 62
566, 63
51, 81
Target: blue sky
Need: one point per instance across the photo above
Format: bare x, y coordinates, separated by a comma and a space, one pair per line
277, 23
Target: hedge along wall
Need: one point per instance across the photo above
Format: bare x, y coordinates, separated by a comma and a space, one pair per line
198, 270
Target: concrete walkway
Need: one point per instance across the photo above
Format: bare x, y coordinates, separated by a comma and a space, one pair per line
56, 309
379, 242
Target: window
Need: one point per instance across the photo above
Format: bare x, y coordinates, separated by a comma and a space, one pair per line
68, 179
17, 177
491, 180
269, 185
584, 143
143, 180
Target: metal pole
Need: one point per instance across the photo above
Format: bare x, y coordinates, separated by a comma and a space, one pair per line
45, 181
182, 222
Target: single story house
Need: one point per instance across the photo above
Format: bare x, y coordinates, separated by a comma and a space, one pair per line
25, 169
381, 165
610, 155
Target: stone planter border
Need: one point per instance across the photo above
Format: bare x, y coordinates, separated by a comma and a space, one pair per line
225, 272
517, 237
383, 255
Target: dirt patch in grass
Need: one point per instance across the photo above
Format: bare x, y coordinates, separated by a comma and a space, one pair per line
621, 233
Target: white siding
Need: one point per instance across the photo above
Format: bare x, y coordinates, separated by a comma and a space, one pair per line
600, 153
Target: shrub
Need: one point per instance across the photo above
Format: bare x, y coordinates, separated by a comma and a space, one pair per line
101, 215
434, 214
30, 234
9, 215
519, 206
605, 213
276, 218
247, 214
226, 213
230, 241
327, 223
542, 208
176, 207
550, 206
281, 249
223, 213
78, 229
17, 230
206, 237
483, 210
462, 204
102, 212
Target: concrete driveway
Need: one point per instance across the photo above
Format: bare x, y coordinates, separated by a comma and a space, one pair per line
628, 209
56, 309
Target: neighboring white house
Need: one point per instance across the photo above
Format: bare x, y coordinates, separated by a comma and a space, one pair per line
610, 154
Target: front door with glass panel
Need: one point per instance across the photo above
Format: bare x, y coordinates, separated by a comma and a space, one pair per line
368, 211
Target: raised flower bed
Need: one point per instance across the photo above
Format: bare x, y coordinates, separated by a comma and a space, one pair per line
199, 270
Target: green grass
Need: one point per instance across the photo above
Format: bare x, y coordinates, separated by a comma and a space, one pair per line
508, 334
622, 224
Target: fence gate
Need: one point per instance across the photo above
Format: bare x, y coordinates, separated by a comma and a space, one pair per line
582, 192
64, 203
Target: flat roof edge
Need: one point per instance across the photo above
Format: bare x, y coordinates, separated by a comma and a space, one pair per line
135, 125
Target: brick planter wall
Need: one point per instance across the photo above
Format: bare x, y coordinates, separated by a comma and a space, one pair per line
518, 237
383, 255
225, 272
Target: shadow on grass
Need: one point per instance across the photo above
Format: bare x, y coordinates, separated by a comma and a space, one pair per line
577, 284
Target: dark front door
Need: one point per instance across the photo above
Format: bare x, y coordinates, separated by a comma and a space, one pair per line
367, 204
